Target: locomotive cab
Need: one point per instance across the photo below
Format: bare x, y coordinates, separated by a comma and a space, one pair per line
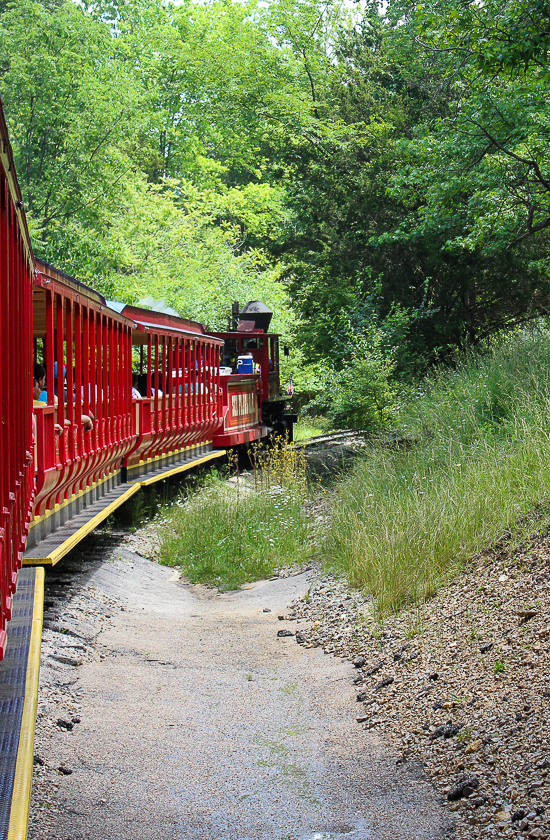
248, 336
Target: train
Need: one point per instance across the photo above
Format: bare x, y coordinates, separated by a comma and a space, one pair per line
102, 397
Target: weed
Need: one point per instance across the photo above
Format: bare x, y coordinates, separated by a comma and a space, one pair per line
499, 666
224, 535
405, 519
307, 427
464, 734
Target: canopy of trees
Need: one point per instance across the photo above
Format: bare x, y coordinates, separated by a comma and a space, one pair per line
379, 175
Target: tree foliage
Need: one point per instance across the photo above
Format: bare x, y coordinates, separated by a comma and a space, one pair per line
352, 166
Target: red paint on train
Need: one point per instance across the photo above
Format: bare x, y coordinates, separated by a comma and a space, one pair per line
16, 477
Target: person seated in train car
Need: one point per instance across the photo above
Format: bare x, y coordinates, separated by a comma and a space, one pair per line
38, 389
136, 395
142, 382
159, 389
38, 385
55, 381
87, 420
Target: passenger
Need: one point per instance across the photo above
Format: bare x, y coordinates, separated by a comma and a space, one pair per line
40, 396
135, 390
55, 382
159, 392
38, 386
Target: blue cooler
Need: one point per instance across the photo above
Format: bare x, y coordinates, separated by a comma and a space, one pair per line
245, 364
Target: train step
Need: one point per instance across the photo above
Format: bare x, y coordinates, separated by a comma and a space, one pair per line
49, 551
19, 672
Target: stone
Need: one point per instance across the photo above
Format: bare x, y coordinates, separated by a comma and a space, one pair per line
473, 747
64, 771
300, 638
383, 683
518, 815
359, 662
535, 833
464, 788
479, 801
486, 647
526, 614
375, 668
281, 617
266, 610
445, 731
281, 633
66, 660
75, 719
65, 724
38, 761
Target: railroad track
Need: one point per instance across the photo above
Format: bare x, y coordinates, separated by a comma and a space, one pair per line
346, 435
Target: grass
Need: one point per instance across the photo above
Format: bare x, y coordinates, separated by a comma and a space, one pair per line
475, 470
308, 427
227, 534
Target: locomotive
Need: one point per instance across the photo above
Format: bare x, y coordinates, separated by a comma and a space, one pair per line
248, 335
100, 398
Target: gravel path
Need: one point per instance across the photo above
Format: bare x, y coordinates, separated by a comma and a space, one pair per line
167, 711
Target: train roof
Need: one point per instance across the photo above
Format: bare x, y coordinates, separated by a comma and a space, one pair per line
48, 277
150, 320
6, 157
49, 271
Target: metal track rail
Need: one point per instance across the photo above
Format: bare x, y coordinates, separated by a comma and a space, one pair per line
336, 437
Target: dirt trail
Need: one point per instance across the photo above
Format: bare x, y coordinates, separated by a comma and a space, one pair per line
198, 723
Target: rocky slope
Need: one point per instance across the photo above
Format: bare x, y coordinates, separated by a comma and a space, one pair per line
460, 683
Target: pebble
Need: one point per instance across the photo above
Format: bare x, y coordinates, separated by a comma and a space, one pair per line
463, 789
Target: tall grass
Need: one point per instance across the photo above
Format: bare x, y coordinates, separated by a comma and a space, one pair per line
475, 460
226, 534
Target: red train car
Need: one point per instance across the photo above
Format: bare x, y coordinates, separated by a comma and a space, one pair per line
241, 412
16, 477
176, 366
83, 418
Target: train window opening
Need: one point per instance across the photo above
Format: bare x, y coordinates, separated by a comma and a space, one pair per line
256, 343
230, 353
